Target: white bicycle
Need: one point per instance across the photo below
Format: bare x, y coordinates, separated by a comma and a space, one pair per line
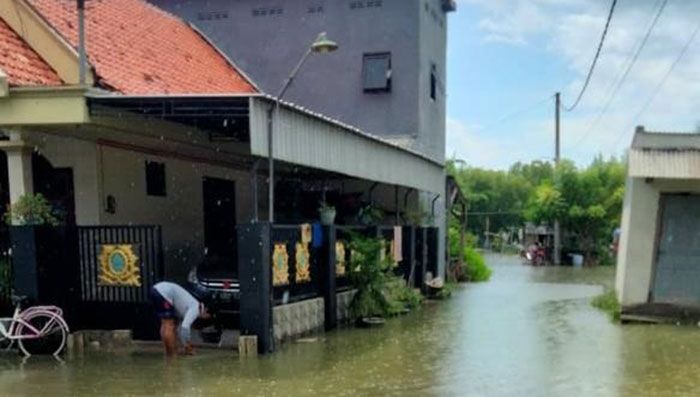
37, 329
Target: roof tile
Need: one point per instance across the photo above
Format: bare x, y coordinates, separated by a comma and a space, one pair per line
23, 66
138, 49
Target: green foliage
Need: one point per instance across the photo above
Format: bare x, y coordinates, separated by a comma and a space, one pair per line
587, 201
31, 209
446, 291
475, 268
400, 296
608, 303
370, 215
367, 275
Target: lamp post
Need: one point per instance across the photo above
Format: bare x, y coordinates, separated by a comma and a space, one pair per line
321, 45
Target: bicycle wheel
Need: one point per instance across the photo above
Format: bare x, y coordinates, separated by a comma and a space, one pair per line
52, 338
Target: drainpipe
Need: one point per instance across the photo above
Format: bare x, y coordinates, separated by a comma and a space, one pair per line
432, 205
405, 198
82, 57
254, 183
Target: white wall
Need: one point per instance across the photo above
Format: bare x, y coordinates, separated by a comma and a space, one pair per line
82, 157
640, 217
180, 212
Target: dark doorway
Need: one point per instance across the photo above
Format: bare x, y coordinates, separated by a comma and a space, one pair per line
56, 184
677, 276
220, 223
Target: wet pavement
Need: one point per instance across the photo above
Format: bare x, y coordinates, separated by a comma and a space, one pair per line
527, 332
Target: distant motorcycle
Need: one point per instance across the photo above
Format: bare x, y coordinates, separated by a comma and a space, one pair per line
534, 256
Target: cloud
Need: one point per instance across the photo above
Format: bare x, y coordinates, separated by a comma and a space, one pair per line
570, 31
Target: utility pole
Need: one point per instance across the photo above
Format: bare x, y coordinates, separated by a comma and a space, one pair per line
557, 229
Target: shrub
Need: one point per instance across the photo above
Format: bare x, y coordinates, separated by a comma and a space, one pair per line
475, 266
446, 291
31, 209
400, 296
367, 275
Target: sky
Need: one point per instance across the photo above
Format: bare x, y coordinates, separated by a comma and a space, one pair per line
507, 58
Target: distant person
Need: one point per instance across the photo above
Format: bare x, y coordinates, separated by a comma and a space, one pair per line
173, 303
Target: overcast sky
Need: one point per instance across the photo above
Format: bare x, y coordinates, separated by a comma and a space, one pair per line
507, 58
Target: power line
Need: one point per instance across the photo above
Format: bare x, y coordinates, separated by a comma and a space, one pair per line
658, 87
515, 113
620, 80
595, 59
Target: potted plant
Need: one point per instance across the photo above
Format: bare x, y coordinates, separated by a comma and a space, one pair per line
367, 274
327, 213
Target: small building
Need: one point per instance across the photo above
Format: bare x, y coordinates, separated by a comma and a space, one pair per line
164, 147
659, 250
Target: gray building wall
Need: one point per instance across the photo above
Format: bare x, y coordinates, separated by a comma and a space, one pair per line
267, 47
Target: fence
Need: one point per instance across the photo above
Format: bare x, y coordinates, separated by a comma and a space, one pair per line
5, 272
295, 264
99, 275
143, 241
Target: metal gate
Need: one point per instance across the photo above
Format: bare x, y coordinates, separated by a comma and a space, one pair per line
677, 274
119, 300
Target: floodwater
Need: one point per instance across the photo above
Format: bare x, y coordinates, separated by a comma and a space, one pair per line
528, 332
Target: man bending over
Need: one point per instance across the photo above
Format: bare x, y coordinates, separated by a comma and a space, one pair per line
173, 303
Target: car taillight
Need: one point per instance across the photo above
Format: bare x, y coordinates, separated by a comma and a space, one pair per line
227, 284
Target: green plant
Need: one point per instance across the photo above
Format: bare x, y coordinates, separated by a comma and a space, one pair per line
31, 209
400, 296
608, 303
476, 269
367, 274
369, 215
474, 266
446, 291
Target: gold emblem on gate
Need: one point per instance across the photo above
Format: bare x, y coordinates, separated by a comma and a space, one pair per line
280, 265
303, 266
118, 266
339, 258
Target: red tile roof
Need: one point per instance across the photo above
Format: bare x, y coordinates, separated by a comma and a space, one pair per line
23, 66
138, 49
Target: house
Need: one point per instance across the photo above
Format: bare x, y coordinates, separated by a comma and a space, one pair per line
659, 247
388, 76
167, 131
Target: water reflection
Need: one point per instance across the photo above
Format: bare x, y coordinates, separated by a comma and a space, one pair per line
528, 332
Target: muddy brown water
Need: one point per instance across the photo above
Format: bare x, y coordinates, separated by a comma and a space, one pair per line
528, 332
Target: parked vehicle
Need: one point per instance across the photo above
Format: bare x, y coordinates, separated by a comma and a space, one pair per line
215, 282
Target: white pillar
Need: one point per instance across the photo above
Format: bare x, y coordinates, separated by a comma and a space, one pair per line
19, 165
19, 168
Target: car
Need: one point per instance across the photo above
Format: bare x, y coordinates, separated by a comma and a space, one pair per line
215, 282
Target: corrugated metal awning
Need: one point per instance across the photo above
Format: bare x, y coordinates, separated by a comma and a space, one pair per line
307, 139
670, 164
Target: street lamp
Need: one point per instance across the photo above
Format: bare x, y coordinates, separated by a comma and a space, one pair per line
322, 45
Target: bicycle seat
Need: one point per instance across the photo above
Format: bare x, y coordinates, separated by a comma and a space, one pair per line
17, 299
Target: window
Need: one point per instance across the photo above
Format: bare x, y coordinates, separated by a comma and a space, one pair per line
155, 179
433, 83
376, 72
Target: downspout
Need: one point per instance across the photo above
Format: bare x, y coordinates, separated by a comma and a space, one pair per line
432, 206
82, 56
254, 183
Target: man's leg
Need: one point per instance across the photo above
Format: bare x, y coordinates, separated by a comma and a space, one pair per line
168, 334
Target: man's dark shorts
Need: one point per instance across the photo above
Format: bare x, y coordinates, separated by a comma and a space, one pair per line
163, 308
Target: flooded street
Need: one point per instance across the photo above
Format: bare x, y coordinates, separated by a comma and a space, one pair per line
528, 332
